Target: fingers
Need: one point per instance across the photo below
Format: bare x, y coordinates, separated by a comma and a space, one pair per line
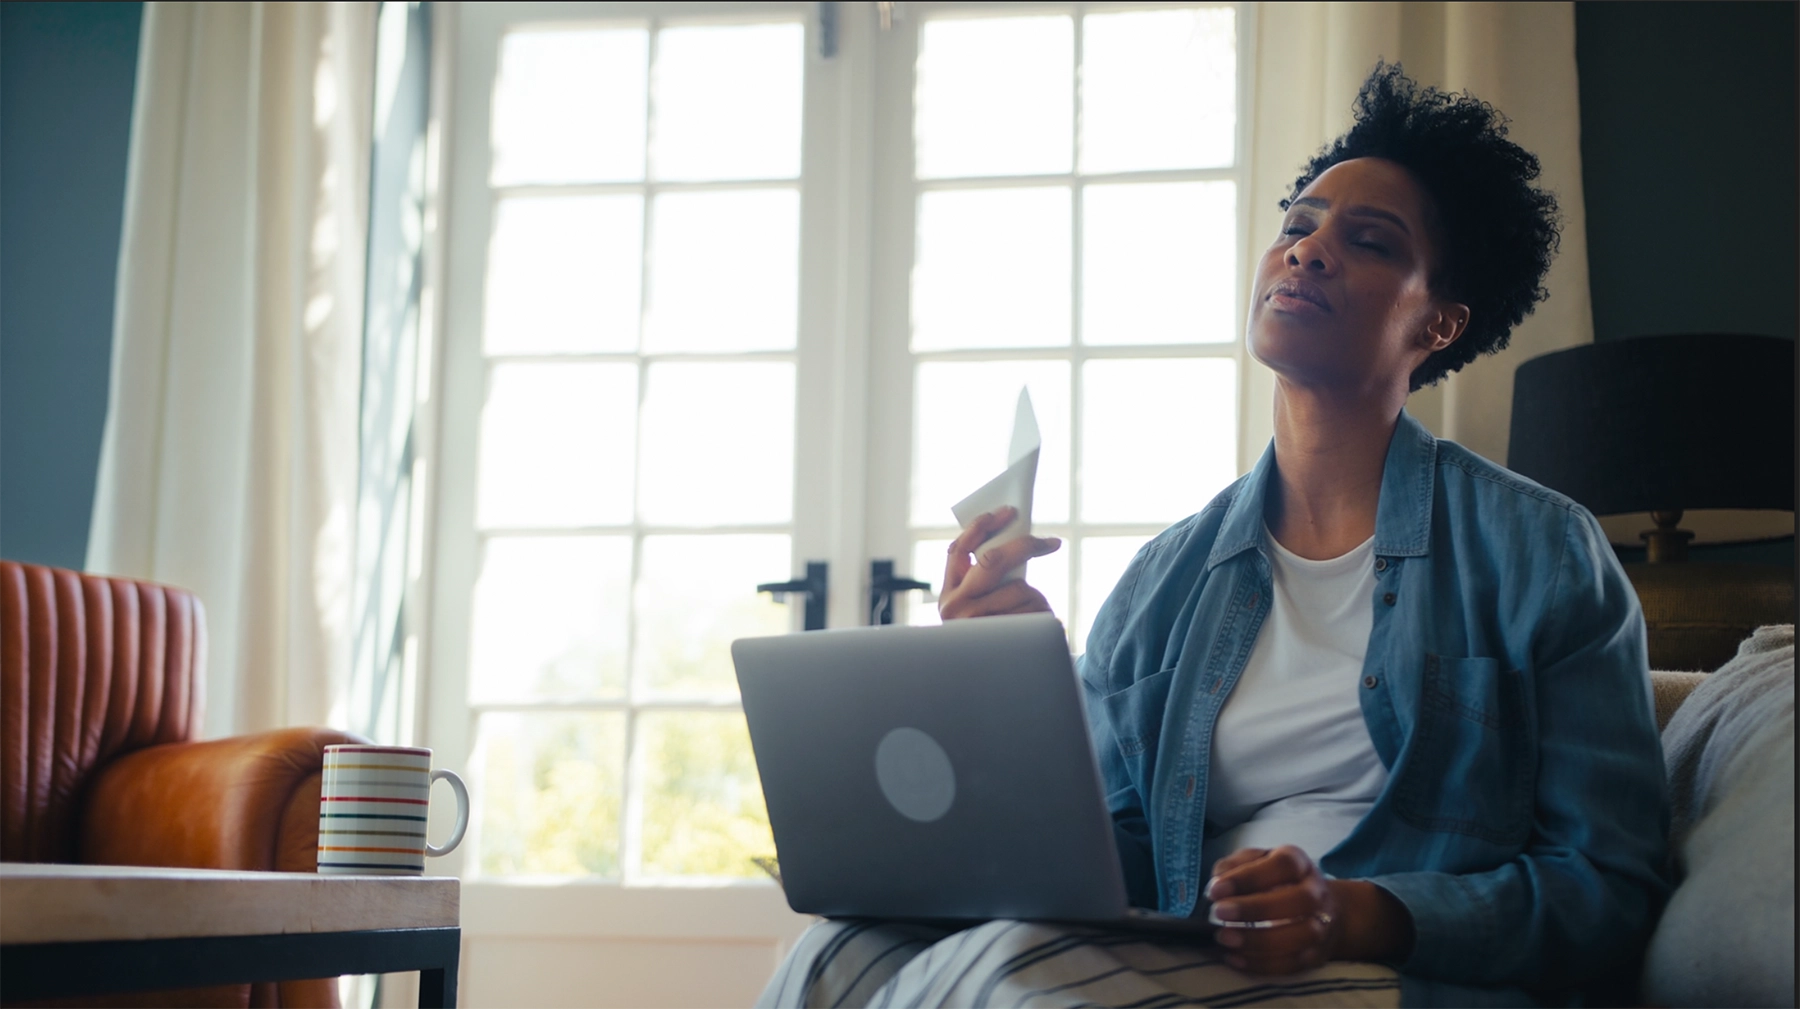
978, 532
972, 595
996, 563
981, 588
1293, 901
1286, 864
1008, 556
1282, 887
1302, 942
1299, 946
1229, 862
1012, 597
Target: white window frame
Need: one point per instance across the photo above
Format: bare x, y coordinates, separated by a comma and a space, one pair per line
852, 500
892, 533
832, 327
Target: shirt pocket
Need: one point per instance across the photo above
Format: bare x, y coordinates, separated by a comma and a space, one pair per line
1473, 766
1136, 714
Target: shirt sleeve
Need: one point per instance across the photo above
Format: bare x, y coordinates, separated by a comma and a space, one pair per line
1579, 902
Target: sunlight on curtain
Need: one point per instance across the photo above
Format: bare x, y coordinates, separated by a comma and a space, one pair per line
228, 464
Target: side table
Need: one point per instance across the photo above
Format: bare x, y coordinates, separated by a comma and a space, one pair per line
71, 930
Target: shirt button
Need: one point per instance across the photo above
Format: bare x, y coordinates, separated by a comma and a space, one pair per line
1388, 598
1190, 786
1370, 682
1381, 563
1181, 892
1255, 597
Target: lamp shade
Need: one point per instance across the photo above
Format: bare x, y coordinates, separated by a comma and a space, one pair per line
1660, 423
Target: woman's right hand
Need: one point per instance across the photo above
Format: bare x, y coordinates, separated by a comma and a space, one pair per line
977, 588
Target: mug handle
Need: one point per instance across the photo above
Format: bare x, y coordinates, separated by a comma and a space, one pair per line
462, 812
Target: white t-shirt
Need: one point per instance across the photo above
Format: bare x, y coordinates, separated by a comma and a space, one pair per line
1292, 761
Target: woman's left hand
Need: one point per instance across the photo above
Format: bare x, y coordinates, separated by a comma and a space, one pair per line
1320, 919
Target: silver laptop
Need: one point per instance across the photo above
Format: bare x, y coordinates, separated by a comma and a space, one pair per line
934, 773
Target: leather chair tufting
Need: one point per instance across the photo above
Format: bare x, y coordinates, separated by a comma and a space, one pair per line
101, 698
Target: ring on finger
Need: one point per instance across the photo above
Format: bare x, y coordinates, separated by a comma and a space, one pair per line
1323, 918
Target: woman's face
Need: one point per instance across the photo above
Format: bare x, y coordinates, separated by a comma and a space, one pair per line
1343, 297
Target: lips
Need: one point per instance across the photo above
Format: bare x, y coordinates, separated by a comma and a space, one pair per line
1297, 289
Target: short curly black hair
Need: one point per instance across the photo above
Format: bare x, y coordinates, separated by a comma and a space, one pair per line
1499, 230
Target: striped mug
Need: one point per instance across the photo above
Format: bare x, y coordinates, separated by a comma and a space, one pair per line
372, 804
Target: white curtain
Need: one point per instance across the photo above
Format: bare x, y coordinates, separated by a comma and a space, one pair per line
228, 464
1310, 60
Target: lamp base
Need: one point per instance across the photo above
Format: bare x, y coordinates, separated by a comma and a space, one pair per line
1667, 543
1696, 613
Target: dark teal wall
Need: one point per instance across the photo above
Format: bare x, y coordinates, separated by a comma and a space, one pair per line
1689, 166
67, 72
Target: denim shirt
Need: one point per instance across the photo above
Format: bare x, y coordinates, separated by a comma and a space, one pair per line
1505, 687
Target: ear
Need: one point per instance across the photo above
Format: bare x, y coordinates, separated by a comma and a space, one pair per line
1444, 325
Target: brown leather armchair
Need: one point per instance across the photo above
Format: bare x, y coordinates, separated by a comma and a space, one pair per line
102, 694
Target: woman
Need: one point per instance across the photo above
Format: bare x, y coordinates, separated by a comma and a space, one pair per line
1382, 701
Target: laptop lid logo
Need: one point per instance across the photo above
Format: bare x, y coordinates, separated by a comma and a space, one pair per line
915, 774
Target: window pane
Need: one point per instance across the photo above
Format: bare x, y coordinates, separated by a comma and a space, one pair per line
1159, 263
550, 619
724, 271
728, 102
569, 106
1049, 575
995, 96
703, 802
1103, 561
963, 415
992, 269
1158, 90
556, 445
547, 790
928, 566
1159, 438
563, 275
695, 595
718, 443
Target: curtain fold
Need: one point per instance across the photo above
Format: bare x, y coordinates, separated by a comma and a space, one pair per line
228, 464
1310, 60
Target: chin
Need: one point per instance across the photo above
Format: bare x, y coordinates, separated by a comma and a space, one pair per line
1305, 357
1283, 345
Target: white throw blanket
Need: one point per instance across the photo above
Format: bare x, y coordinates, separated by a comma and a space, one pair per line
1014, 963
1727, 937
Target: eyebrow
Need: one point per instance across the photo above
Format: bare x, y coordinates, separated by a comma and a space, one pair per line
1361, 210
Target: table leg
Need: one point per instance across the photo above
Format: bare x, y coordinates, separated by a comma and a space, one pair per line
437, 985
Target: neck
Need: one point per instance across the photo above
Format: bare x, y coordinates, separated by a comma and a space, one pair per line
1329, 454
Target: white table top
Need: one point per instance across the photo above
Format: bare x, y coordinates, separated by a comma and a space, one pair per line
85, 903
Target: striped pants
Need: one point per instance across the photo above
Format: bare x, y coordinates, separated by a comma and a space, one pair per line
1013, 963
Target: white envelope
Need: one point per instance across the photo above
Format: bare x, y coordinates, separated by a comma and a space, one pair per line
1013, 486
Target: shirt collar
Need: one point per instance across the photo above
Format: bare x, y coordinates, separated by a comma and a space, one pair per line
1402, 518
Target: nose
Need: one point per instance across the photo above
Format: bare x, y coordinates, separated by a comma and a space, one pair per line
1311, 255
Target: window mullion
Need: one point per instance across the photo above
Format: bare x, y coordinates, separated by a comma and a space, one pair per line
631, 806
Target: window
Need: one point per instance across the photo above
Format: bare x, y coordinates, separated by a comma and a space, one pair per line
1074, 180
641, 296
720, 304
